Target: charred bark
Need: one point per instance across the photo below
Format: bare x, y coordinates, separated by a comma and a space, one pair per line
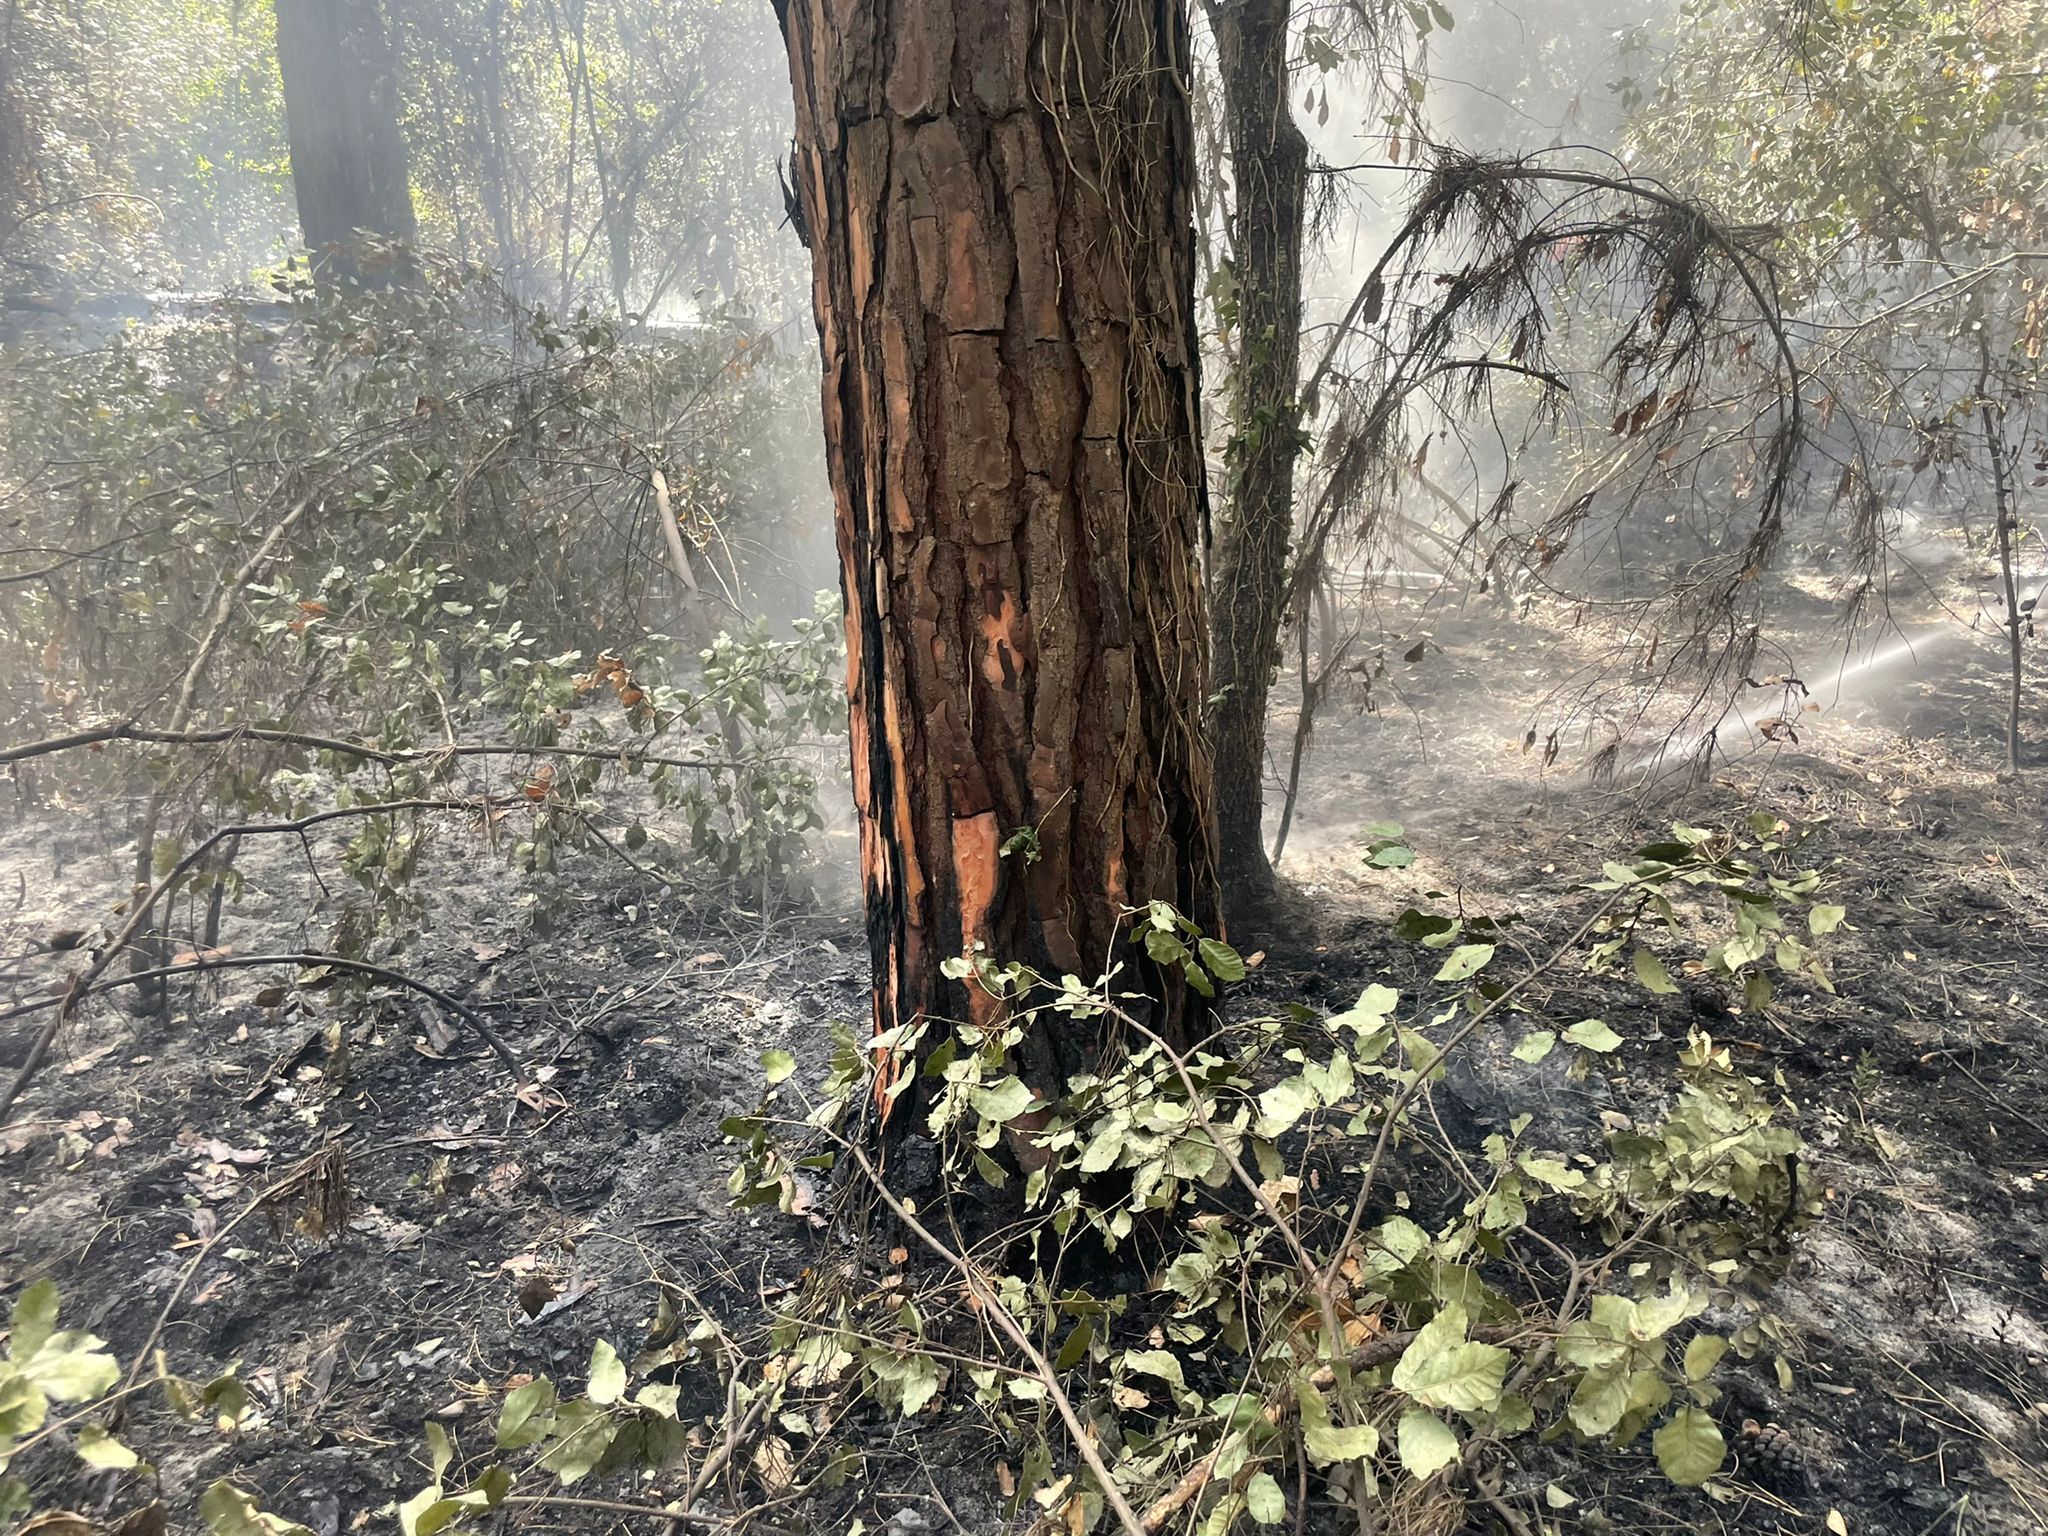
349, 169
997, 194
1248, 573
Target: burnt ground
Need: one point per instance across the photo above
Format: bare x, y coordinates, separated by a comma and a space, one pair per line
1920, 1298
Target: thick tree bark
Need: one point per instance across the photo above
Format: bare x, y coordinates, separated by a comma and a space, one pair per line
349, 169
997, 196
1269, 165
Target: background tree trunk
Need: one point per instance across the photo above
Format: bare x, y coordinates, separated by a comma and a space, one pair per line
997, 194
349, 168
1247, 587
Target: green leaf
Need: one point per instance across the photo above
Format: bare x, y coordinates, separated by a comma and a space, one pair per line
1426, 1442
1164, 946
607, 1374
1651, 973
440, 1451
777, 1066
1163, 1363
1106, 1145
71, 1366
1593, 1035
35, 1318
1284, 1103
1441, 1370
1535, 1045
230, 1512
1553, 1172
584, 1432
22, 1406
1370, 1012
1689, 1448
1002, 1101
528, 1414
1265, 1501
1702, 1354
1392, 856
1464, 962
1825, 918
1325, 1441
1075, 1349
1223, 962
1598, 1402
97, 1448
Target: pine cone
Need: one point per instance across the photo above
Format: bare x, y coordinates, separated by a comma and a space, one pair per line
1772, 1457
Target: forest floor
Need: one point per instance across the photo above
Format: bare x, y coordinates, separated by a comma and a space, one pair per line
488, 1240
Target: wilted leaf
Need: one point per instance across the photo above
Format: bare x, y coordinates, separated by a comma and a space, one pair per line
1284, 1103
1535, 1045
1324, 1441
528, 1414
1003, 1100
71, 1366
583, 1433
1825, 918
1598, 1402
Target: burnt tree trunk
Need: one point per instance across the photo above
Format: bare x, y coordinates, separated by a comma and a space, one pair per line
997, 196
349, 169
1248, 573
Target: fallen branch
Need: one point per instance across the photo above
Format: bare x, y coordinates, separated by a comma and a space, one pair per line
87, 981
128, 730
74, 994
617, 1507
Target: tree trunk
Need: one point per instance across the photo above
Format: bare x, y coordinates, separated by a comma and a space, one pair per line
341, 115
1247, 587
997, 194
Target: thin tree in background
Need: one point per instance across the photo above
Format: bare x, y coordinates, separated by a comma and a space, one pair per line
349, 169
1248, 573
998, 199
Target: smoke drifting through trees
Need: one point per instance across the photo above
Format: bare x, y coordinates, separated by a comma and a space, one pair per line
422, 730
